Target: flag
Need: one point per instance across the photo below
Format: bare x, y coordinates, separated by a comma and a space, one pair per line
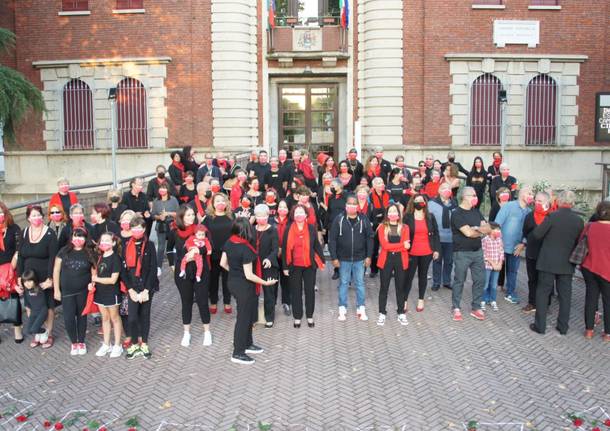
271, 13
344, 13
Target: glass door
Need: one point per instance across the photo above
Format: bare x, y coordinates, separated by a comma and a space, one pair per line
308, 118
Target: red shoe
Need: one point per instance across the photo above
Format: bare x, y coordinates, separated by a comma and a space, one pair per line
213, 309
457, 315
589, 334
418, 308
606, 337
126, 344
48, 344
478, 314
228, 309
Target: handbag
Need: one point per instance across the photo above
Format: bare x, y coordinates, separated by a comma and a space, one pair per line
9, 310
8, 280
582, 248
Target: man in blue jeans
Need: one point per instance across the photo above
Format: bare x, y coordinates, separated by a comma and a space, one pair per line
511, 218
350, 243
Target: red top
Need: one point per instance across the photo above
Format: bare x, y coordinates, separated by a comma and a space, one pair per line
388, 247
298, 255
431, 190
598, 258
421, 242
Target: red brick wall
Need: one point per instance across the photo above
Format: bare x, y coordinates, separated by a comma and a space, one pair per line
452, 26
180, 29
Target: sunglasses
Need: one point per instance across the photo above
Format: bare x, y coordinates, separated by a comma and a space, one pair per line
55, 212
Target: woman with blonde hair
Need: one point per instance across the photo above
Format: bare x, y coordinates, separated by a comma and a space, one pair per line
116, 206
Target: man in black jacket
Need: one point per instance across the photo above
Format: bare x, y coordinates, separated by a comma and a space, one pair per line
385, 166
559, 234
354, 165
451, 160
350, 243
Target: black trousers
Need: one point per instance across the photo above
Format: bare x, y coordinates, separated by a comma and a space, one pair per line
392, 267
139, 319
217, 274
596, 285
532, 280
38, 313
247, 313
421, 264
270, 293
375, 255
76, 323
502, 276
284, 286
302, 279
563, 283
191, 292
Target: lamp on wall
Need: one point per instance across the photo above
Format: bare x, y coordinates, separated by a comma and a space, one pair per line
112, 93
503, 100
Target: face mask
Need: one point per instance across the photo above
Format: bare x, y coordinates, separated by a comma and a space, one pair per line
343, 169
539, 208
379, 155
419, 205
65, 188
496, 234
115, 199
474, 201
274, 165
215, 188
56, 217
300, 218
36, 221
262, 221
105, 246
125, 225
78, 242
161, 175
162, 192
435, 179
327, 182
351, 209
504, 197
245, 204
529, 200
362, 196
220, 206
270, 199
282, 211
505, 173
241, 177
446, 193
393, 217
137, 232
77, 218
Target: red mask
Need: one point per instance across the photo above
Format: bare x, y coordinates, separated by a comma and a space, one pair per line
300, 218
220, 206
162, 192
351, 209
327, 181
274, 165
393, 217
78, 241
496, 234
245, 204
56, 217
77, 219
539, 208
64, 188
36, 221
215, 188
504, 197
529, 200
474, 201
343, 169
282, 211
125, 225
446, 193
137, 232
435, 179
270, 199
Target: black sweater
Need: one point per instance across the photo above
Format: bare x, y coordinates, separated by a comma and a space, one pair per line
148, 276
533, 245
220, 231
267, 245
39, 256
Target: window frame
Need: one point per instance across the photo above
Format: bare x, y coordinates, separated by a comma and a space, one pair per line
471, 108
146, 115
557, 112
75, 7
63, 119
130, 6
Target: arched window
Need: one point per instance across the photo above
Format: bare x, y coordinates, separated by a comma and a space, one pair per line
78, 116
485, 111
541, 117
132, 128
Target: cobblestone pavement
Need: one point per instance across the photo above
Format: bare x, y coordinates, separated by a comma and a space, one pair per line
434, 374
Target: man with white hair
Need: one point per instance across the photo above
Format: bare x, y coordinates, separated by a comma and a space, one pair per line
385, 166
559, 234
511, 218
502, 180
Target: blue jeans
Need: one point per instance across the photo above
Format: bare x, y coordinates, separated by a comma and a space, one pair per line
351, 271
491, 285
512, 270
443, 265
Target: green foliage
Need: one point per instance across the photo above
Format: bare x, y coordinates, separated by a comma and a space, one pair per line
263, 426
133, 422
7, 40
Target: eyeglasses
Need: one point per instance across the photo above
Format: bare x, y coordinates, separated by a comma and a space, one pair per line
55, 212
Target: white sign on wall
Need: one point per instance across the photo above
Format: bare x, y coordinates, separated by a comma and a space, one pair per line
508, 32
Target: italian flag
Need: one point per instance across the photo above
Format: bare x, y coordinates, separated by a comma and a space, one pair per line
344, 5
271, 13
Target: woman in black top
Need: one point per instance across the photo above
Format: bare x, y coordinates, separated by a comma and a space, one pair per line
71, 280
396, 186
136, 200
477, 179
37, 252
57, 219
218, 222
189, 288
77, 219
100, 218
188, 191
116, 206
10, 235
189, 159
267, 247
239, 259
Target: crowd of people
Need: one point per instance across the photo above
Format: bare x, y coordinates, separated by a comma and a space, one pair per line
230, 231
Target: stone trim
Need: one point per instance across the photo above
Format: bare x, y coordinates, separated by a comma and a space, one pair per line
41, 64
489, 6
540, 7
74, 13
127, 11
564, 58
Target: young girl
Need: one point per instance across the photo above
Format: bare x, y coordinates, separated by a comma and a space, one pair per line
493, 252
141, 280
192, 245
107, 293
38, 306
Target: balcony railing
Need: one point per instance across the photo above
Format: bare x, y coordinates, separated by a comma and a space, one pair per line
315, 34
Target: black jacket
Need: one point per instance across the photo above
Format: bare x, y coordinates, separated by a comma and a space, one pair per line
386, 168
148, 279
433, 236
559, 234
532, 244
267, 245
350, 242
336, 206
152, 190
457, 165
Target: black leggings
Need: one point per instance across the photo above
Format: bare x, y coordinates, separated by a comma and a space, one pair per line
217, 273
302, 279
375, 255
595, 286
19, 311
421, 263
139, 319
247, 313
284, 286
192, 291
76, 323
270, 293
393, 264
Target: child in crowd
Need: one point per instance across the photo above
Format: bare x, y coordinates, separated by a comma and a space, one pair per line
193, 244
493, 252
37, 302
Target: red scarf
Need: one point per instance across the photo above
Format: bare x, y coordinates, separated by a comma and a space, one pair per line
497, 163
200, 210
2, 232
180, 167
281, 226
374, 172
539, 216
307, 170
293, 232
365, 209
384, 203
186, 232
259, 269
131, 257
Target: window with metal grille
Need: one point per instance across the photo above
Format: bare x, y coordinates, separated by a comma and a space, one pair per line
488, 2
541, 117
130, 4
78, 116
544, 2
74, 5
132, 114
485, 111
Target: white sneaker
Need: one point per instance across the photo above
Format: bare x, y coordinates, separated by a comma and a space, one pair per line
159, 271
483, 305
37, 338
402, 318
381, 319
494, 305
74, 350
361, 313
43, 338
103, 351
116, 351
342, 313
207, 338
316, 288
82, 349
186, 339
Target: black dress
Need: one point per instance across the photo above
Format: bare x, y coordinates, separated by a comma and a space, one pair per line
39, 257
108, 295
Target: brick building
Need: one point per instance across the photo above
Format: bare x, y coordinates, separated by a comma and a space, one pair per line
416, 76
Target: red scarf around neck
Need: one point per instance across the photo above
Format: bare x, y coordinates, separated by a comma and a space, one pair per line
180, 167
132, 260
382, 203
539, 216
235, 239
186, 232
374, 172
364, 210
293, 232
200, 209
281, 226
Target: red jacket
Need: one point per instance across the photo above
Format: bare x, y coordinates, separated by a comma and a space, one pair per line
388, 247
56, 200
